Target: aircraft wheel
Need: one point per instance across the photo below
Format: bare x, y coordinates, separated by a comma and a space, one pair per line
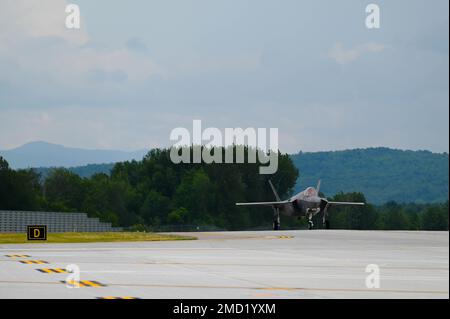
310, 225
276, 225
327, 224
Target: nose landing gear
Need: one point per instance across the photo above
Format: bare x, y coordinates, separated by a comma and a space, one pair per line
310, 222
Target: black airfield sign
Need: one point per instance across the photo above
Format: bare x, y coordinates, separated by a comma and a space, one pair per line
37, 232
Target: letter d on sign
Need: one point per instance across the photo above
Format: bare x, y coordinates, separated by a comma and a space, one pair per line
37, 232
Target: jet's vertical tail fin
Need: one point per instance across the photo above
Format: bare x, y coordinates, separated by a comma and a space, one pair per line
318, 187
274, 191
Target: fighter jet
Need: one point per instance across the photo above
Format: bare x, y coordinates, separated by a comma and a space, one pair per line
307, 203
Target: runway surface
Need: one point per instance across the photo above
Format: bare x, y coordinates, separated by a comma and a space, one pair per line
267, 264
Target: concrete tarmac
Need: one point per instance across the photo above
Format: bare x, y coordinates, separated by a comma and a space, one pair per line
265, 264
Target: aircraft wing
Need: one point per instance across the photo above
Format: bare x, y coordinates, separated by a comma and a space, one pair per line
346, 203
273, 204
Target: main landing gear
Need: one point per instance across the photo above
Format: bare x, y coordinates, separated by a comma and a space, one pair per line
326, 224
325, 221
310, 223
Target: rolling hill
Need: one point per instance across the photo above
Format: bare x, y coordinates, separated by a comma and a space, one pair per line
43, 154
82, 171
382, 174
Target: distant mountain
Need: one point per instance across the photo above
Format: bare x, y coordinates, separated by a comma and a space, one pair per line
43, 154
382, 174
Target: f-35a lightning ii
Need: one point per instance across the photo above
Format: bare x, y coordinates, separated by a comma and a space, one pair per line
307, 203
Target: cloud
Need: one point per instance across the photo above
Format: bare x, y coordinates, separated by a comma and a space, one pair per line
207, 64
127, 84
22, 19
345, 56
90, 127
137, 45
40, 56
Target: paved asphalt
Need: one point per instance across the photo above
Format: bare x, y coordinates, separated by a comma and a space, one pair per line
266, 264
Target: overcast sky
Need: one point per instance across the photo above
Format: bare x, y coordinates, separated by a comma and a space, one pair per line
137, 69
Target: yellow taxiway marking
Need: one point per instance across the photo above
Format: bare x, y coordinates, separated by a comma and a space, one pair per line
18, 256
278, 237
83, 283
118, 298
52, 270
244, 288
29, 262
264, 295
278, 288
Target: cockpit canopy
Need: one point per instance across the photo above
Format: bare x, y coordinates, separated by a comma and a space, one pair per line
310, 191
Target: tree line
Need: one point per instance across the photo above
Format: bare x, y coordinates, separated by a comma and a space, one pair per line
153, 192
382, 174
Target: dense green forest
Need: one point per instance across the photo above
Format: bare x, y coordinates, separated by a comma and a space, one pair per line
154, 192
382, 174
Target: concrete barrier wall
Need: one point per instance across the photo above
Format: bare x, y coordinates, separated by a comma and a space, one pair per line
57, 222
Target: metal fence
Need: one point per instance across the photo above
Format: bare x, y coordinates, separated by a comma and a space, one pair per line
57, 222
